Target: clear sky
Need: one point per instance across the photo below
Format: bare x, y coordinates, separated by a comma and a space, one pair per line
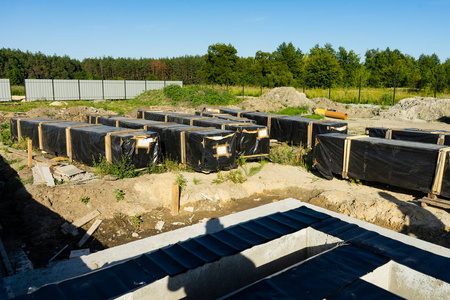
155, 29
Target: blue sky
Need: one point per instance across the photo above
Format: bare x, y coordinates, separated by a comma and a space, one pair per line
154, 29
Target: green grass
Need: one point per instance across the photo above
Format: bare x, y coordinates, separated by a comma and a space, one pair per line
18, 90
292, 111
378, 96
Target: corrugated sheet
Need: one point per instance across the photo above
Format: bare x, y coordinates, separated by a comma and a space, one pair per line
114, 89
134, 88
38, 89
91, 89
66, 89
5, 90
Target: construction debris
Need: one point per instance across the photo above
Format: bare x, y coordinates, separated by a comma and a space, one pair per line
58, 253
66, 172
78, 253
89, 232
72, 228
159, 225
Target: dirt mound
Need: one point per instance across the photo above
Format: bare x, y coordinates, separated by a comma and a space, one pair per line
277, 99
419, 108
353, 111
76, 114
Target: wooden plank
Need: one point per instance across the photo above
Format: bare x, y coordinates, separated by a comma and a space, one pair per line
48, 176
89, 232
436, 202
175, 199
35, 157
78, 253
30, 153
81, 221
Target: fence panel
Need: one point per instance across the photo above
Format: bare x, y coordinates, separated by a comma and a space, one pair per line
114, 89
5, 90
134, 88
66, 89
91, 90
38, 89
155, 85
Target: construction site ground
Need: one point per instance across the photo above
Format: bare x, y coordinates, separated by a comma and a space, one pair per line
32, 216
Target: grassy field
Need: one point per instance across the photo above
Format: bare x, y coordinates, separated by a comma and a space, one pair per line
380, 96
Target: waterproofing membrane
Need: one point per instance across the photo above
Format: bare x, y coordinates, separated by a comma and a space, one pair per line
88, 145
223, 116
333, 274
26, 128
404, 164
205, 150
411, 134
252, 141
302, 131
110, 121
158, 115
318, 277
185, 119
54, 137
136, 124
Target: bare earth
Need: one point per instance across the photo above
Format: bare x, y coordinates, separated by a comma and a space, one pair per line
36, 212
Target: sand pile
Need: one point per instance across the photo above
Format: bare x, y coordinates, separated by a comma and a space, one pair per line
419, 108
277, 99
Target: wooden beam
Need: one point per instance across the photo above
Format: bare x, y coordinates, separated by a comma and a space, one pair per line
35, 157
30, 153
89, 232
175, 199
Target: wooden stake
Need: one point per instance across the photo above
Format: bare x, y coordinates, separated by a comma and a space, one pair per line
175, 199
30, 153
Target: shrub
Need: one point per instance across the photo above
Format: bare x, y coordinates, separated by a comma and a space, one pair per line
122, 169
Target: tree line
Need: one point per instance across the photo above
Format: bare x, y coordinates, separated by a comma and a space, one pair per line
286, 66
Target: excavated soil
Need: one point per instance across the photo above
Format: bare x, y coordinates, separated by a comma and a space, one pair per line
419, 108
32, 215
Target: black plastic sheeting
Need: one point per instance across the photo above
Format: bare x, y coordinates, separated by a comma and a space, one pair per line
411, 134
294, 129
158, 115
54, 137
404, 164
137, 124
224, 116
28, 128
185, 119
317, 278
201, 146
88, 145
252, 141
110, 121
332, 275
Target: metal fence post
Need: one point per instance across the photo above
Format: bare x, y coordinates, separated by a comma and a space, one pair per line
10, 88
125, 88
281, 81
359, 95
212, 83
227, 84
145, 84
435, 87
53, 89
25, 89
164, 83
79, 90
395, 86
103, 90
304, 84
243, 82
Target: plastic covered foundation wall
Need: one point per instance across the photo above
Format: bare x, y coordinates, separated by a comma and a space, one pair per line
294, 130
252, 141
87, 143
438, 137
410, 165
204, 149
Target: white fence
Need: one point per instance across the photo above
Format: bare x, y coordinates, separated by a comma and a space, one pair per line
66, 89
5, 90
